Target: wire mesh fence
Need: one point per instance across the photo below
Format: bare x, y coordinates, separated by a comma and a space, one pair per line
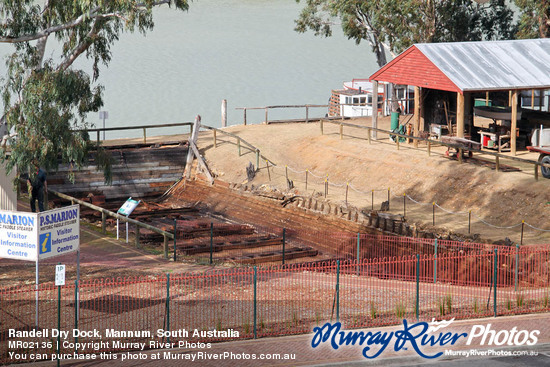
225, 304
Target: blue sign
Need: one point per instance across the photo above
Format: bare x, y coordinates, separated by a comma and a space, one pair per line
45, 242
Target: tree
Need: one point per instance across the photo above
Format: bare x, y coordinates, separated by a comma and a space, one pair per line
391, 26
46, 100
534, 19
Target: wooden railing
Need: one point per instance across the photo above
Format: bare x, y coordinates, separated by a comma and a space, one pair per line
104, 213
430, 143
142, 127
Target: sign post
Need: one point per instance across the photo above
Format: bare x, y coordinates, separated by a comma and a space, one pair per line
36, 236
59, 281
103, 115
126, 209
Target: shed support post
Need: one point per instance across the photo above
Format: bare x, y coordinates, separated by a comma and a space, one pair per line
459, 115
374, 110
514, 118
417, 106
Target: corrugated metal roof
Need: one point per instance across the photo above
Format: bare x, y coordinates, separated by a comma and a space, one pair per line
492, 65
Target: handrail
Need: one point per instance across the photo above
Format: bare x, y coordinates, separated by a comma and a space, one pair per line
138, 127
241, 139
456, 146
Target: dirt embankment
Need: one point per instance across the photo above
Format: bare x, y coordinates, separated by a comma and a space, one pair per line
364, 173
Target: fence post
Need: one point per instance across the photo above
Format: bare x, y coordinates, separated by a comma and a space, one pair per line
175, 234
321, 124
433, 213
516, 271
369, 134
372, 200
469, 221
144, 136
306, 177
347, 189
388, 198
165, 246
337, 290
58, 321
211, 241
435, 261
167, 326
214, 137
255, 303
266, 119
522, 225
284, 242
341, 131
358, 251
239, 145
307, 113
497, 163
286, 173
495, 284
536, 172
137, 236
417, 284
429, 148
267, 167
404, 204
257, 160
244, 120
103, 222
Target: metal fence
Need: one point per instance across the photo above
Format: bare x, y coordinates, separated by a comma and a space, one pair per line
225, 304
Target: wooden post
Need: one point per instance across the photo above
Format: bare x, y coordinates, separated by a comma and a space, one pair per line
267, 167
416, 120
214, 136
429, 148
266, 118
244, 118
514, 118
497, 163
459, 155
486, 98
510, 98
341, 131
137, 237
103, 222
321, 124
98, 138
144, 136
532, 99
397, 141
165, 246
369, 134
239, 145
536, 172
374, 110
307, 113
224, 112
459, 115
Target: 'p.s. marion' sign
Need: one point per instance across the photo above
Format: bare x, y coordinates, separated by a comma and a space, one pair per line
32, 236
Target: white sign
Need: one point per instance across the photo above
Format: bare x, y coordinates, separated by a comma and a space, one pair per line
31, 236
60, 275
103, 115
58, 231
128, 207
18, 235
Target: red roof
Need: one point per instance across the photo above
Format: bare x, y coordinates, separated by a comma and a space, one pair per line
412, 67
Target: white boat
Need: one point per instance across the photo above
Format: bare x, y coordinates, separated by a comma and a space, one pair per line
355, 99
496, 113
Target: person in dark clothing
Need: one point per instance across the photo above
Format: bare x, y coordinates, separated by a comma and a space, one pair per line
39, 188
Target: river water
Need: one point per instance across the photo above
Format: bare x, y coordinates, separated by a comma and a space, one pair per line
245, 51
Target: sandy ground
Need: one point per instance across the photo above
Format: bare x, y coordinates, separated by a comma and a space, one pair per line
501, 199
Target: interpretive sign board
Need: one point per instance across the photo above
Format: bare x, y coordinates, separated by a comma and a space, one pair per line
18, 235
32, 236
128, 207
58, 231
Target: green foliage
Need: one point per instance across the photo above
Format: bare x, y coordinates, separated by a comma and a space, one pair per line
46, 100
400, 309
534, 20
520, 299
373, 311
476, 305
393, 26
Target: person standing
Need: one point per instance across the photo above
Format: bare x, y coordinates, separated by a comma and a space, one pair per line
39, 189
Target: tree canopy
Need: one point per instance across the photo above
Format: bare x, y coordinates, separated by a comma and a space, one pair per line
392, 26
534, 19
46, 99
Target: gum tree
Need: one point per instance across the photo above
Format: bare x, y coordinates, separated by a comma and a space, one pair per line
391, 26
534, 19
46, 99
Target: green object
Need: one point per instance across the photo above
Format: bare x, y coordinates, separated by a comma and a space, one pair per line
394, 121
495, 282
337, 290
417, 284
482, 102
168, 305
255, 303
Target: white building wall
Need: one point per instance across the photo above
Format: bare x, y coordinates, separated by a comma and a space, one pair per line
8, 197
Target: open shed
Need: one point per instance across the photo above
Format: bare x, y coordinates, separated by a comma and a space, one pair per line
470, 68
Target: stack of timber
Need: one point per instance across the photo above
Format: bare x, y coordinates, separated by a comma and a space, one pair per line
138, 171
